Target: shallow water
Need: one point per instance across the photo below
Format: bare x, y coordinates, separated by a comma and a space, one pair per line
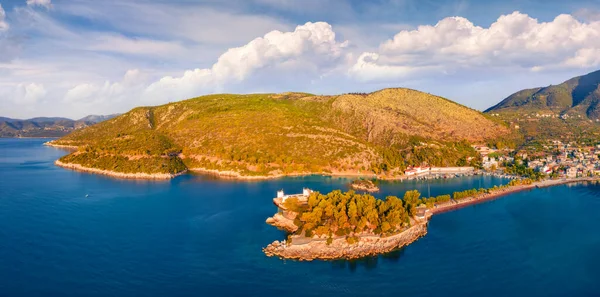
199, 236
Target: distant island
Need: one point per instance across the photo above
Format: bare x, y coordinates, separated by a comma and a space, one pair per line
364, 185
259, 136
348, 225
47, 127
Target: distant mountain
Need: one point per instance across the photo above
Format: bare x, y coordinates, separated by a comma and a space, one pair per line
46, 127
97, 118
568, 111
579, 96
290, 133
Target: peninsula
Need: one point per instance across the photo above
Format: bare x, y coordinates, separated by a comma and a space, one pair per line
349, 225
258, 136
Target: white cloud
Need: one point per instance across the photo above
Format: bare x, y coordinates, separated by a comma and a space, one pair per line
587, 14
44, 3
310, 47
3, 24
515, 40
130, 87
28, 94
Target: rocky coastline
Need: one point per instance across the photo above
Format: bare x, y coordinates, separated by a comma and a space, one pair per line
364, 185
308, 249
52, 144
368, 245
138, 175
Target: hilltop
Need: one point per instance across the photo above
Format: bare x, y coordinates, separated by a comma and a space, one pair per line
46, 127
270, 135
570, 110
575, 97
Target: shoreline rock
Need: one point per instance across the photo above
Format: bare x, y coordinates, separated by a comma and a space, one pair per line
364, 185
139, 175
318, 249
70, 147
282, 223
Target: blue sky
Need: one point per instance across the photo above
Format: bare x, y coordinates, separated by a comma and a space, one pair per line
77, 57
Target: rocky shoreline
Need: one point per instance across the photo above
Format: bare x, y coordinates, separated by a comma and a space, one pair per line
153, 176
309, 249
368, 245
70, 147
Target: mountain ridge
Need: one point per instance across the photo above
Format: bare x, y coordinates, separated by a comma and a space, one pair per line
46, 126
579, 95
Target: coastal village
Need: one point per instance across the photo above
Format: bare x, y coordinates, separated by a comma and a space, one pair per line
551, 164
554, 159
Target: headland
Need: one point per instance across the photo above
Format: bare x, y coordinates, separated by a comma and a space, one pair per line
311, 238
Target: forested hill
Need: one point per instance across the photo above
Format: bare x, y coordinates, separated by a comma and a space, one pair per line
274, 134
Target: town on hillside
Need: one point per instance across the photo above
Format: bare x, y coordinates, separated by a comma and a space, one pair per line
552, 158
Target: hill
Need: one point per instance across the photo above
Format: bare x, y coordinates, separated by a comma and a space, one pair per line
291, 133
568, 110
46, 127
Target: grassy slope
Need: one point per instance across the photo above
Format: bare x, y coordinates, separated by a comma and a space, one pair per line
268, 134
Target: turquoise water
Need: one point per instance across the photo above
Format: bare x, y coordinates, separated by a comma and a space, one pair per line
198, 236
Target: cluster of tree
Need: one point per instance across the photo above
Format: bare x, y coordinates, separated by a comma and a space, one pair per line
475, 192
414, 153
520, 182
468, 193
432, 201
119, 163
349, 214
520, 169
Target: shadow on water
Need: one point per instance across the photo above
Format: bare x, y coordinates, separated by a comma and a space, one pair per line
369, 263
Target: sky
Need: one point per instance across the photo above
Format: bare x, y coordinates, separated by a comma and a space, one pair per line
72, 58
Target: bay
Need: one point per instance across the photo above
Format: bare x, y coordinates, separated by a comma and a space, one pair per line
66, 233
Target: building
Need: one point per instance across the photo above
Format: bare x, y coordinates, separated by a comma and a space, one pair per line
546, 169
489, 163
304, 196
416, 170
422, 212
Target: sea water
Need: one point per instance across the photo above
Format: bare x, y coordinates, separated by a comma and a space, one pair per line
66, 233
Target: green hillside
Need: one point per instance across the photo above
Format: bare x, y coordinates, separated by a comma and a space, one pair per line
274, 134
576, 96
570, 110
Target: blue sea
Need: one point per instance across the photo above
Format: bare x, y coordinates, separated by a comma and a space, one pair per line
65, 233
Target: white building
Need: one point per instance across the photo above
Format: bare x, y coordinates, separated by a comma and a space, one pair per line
305, 193
416, 170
